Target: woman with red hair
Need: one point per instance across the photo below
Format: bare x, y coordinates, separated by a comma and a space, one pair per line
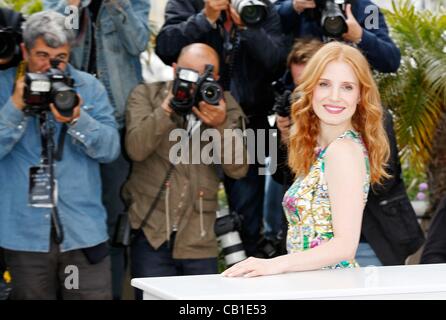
337, 148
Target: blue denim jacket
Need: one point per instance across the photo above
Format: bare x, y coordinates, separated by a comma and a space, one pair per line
376, 44
122, 33
93, 139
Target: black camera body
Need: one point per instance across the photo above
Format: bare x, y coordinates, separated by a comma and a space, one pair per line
332, 17
189, 89
55, 87
282, 102
251, 12
9, 40
10, 37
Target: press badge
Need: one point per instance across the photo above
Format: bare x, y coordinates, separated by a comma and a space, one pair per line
40, 187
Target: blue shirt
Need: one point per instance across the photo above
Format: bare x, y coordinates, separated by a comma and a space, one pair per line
121, 34
376, 44
93, 139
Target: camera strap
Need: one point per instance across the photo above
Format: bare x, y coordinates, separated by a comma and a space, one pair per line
44, 138
158, 196
160, 191
43, 184
231, 46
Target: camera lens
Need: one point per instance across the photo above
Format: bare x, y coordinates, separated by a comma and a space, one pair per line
251, 12
227, 231
65, 99
334, 25
211, 93
333, 20
7, 45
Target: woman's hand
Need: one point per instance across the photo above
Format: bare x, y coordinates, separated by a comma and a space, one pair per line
253, 267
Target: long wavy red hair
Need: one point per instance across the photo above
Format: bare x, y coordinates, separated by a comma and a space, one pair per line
367, 120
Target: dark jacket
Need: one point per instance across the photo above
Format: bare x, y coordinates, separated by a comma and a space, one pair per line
389, 223
259, 59
13, 20
376, 44
435, 248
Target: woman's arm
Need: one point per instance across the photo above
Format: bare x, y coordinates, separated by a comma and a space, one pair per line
345, 175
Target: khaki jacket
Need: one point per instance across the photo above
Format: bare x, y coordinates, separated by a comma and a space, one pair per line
189, 203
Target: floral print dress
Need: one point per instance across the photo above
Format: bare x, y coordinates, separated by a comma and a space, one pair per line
307, 206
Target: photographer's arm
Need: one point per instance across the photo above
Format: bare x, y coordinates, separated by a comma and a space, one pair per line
182, 27
12, 120
131, 22
266, 44
288, 16
376, 44
95, 131
146, 125
232, 145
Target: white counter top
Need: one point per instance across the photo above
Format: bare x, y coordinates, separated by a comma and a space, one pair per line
396, 282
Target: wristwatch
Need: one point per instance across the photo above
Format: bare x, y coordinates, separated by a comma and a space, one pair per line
73, 122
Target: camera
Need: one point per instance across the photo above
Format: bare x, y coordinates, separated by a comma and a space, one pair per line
332, 17
55, 87
189, 89
271, 247
227, 227
252, 12
9, 40
282, 103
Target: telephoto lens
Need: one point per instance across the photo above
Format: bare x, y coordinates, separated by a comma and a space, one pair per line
227, 228
333, 20
252, 12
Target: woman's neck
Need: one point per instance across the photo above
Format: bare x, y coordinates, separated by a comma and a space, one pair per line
328, 133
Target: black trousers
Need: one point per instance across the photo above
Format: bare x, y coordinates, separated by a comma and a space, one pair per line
56, 275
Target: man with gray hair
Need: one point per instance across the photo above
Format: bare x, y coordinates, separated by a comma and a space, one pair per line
109, 39
52, 220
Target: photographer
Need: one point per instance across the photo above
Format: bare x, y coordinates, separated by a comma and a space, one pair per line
111, 36
251, 57
302, 19
173, 206
52, 217
10, 38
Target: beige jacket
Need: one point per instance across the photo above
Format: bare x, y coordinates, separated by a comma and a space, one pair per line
189, 203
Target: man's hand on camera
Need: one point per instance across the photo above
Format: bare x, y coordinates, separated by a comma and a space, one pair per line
355, 31
283, 124
165, 105
213, 8
236, 18
301, 5
213, 116
17, 97
62, 119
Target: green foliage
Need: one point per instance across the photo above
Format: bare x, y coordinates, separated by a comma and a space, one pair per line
417, 92
27, 7
412, 179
